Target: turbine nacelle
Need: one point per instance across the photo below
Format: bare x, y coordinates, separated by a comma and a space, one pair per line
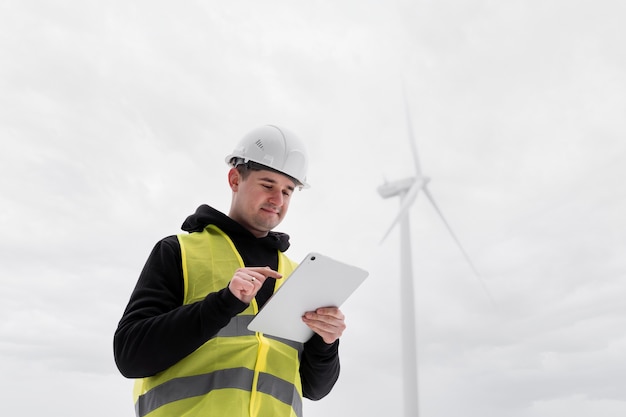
400, 187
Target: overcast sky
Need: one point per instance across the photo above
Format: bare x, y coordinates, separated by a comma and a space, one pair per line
115, 118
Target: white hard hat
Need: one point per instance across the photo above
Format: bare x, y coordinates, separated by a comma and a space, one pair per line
276, 148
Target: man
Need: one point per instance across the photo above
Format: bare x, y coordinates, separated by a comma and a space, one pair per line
184, 331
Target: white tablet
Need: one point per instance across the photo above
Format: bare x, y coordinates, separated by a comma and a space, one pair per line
318, 281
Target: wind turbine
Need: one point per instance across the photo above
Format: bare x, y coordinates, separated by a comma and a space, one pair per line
408, 189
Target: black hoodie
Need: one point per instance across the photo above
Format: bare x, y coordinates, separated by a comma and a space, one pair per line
157, 330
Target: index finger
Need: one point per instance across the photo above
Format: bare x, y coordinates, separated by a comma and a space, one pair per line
266, 271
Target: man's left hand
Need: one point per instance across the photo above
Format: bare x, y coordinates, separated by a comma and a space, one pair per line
328, 322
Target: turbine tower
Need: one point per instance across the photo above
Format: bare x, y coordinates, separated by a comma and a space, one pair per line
408, 189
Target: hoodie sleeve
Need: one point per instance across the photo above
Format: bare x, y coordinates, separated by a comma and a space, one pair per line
319, 367
156, 330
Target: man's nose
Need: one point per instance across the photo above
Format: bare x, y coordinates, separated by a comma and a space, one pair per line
277, 198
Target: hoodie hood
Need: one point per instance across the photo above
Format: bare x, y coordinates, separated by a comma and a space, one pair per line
206, 215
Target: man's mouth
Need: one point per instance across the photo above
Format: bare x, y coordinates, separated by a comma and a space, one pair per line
272, 210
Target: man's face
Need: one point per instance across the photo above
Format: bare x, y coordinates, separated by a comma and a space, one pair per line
260, 202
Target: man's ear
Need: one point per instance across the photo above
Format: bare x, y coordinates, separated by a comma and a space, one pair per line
234, 178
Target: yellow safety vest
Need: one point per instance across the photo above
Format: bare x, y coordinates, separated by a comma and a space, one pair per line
237, 372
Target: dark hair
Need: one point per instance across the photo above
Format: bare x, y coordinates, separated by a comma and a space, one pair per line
245, 168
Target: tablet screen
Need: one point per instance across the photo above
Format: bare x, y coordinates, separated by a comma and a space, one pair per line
318, 281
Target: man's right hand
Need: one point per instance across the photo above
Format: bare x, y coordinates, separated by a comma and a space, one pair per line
248, 281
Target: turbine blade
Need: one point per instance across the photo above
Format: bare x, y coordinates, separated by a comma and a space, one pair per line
412, 142
458, 242
407, 200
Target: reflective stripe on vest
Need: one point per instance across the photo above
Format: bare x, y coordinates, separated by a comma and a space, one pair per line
235, 373
191, 386
238, 326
